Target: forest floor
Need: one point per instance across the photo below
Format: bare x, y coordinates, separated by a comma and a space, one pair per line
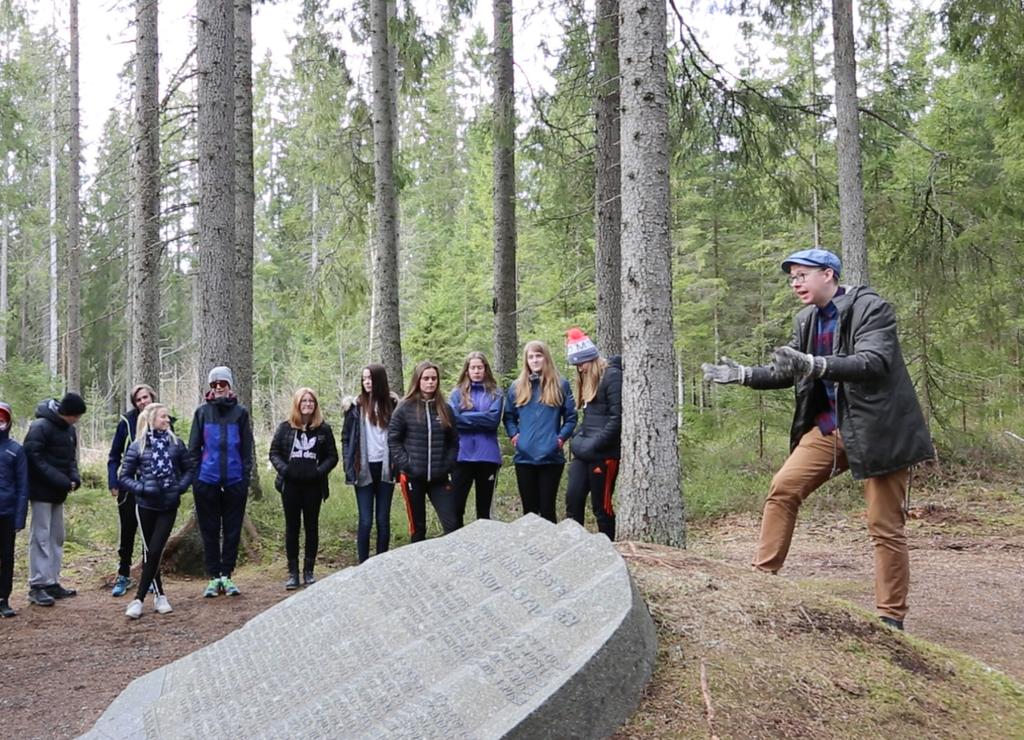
61, 666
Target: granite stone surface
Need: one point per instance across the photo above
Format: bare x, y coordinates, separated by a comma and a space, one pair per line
520, 630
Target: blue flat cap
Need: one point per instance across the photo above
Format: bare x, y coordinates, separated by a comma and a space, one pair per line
813, 258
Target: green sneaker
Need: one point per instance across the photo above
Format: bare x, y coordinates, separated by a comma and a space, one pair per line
229, 586
212, 588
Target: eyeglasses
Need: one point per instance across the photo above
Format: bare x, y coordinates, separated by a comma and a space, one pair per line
799, 278
218, 384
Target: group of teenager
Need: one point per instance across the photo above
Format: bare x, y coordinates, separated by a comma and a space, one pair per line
856, 409
434, 447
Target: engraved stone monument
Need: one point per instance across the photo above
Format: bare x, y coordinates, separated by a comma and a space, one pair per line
521, 630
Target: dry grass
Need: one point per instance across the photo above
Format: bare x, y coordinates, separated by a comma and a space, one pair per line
746, 655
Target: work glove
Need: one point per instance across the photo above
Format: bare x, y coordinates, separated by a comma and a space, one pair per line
797, 365
726, 371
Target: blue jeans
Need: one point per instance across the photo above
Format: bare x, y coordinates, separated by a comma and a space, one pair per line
377, 496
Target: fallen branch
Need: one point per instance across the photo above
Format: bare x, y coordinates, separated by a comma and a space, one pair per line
710, 710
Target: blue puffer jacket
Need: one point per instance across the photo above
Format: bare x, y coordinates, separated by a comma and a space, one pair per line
478, 426
540, 426
221, 442
13, 480
137, 475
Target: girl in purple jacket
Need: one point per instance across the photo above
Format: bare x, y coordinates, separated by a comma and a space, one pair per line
477, 403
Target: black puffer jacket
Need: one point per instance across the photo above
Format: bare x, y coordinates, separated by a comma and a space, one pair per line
326, 458
598, 437
420, 446
160, 494
880, 419
51, 445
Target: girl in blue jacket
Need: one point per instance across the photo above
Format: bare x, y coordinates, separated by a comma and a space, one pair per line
157, 469
477, 403
13, 504
540, 415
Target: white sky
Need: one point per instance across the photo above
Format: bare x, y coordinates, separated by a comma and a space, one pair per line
107, 38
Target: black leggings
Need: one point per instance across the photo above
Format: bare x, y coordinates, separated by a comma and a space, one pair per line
538, 488
6, 555
129, 528
597, 479
441, 496
484, 475
156, 528
301, 508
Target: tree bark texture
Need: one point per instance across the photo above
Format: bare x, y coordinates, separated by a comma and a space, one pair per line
144, 273
651, 503
607, 200
851, 189
387, 324
506, 339
244, 203
73, 348
52, 326
216, 152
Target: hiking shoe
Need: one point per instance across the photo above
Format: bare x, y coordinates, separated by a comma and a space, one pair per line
229, 586
6, 610
163, 606
59, 592
134, 610
212, 588
40, 597
896, 624
121, 586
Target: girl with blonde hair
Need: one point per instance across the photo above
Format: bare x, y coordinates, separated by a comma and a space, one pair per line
157, 469
303, 453
540, 415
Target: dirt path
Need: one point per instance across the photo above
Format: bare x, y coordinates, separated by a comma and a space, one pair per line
61, 666
967, 573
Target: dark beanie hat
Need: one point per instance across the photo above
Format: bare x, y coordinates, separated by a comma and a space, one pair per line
71, 405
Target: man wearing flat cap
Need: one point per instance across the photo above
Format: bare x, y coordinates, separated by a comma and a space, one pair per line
856, 410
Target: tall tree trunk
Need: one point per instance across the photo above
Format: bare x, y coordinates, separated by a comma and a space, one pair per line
607, 200
851, 189
506, 339
244, 203
651, 490
387, 325
144, 273
73, 348
5, 237
216, 151
52, 326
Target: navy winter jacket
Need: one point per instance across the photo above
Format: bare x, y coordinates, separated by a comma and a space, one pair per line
221, 442
13, 480
540, 426
124, 435
598, 437
478, 426
421, 447
52, 449
159, 494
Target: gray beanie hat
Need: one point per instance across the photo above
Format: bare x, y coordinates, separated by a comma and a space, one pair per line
222, 372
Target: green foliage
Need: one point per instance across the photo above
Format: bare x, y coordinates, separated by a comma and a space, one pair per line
23, 384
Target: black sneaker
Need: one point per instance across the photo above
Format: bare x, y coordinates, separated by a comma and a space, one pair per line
59, 592
6, 610
40, 597
896, 624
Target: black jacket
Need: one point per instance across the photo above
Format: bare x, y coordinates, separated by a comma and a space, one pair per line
51, 445
354, 458
326, 458
598, 437
420, 447
124, 435
151, 492
879, 417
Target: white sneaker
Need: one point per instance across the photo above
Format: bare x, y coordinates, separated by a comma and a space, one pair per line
134, 610
163, 606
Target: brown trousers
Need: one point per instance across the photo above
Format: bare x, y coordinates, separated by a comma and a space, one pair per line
813, 462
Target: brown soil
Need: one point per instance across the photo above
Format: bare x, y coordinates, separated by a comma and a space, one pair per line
61, 666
